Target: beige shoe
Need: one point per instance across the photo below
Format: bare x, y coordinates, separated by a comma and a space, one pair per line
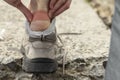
40, 54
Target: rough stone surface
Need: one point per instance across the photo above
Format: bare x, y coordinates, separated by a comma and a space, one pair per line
105, 10
85, 44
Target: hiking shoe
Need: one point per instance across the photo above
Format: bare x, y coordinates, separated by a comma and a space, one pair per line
39, 54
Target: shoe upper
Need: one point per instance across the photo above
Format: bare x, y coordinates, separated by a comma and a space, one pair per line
42, 47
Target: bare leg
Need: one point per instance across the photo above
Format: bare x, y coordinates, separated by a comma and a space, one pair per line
41, 20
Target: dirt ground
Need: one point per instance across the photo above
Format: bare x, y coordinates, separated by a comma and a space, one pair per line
85, 38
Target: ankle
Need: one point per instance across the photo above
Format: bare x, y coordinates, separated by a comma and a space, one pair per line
39, 5
41, 20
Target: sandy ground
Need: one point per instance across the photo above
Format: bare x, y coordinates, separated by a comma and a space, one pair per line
91, 38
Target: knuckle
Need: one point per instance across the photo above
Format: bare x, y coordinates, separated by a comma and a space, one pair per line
67, 6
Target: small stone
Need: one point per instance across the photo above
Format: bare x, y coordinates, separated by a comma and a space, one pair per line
105, 64
13, 66
2, 34
3, 75
11, 63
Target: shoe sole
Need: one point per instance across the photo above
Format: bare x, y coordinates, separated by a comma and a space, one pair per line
39, 65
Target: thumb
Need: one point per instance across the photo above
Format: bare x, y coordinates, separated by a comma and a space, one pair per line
50, 13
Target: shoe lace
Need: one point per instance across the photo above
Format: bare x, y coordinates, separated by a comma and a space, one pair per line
64, 55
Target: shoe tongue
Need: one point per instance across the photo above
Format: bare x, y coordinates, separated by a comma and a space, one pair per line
40, 15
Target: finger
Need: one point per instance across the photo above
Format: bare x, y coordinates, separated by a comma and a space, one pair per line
18, 4
26, 12
14, 3
63, 8
58, 4
50, 13
52, 3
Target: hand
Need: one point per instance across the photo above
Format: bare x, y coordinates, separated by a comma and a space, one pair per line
19, 5
58, 6
15, 3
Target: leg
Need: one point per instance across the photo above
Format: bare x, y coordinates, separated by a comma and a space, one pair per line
39, 47
41, 5
113, 66
41, 20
